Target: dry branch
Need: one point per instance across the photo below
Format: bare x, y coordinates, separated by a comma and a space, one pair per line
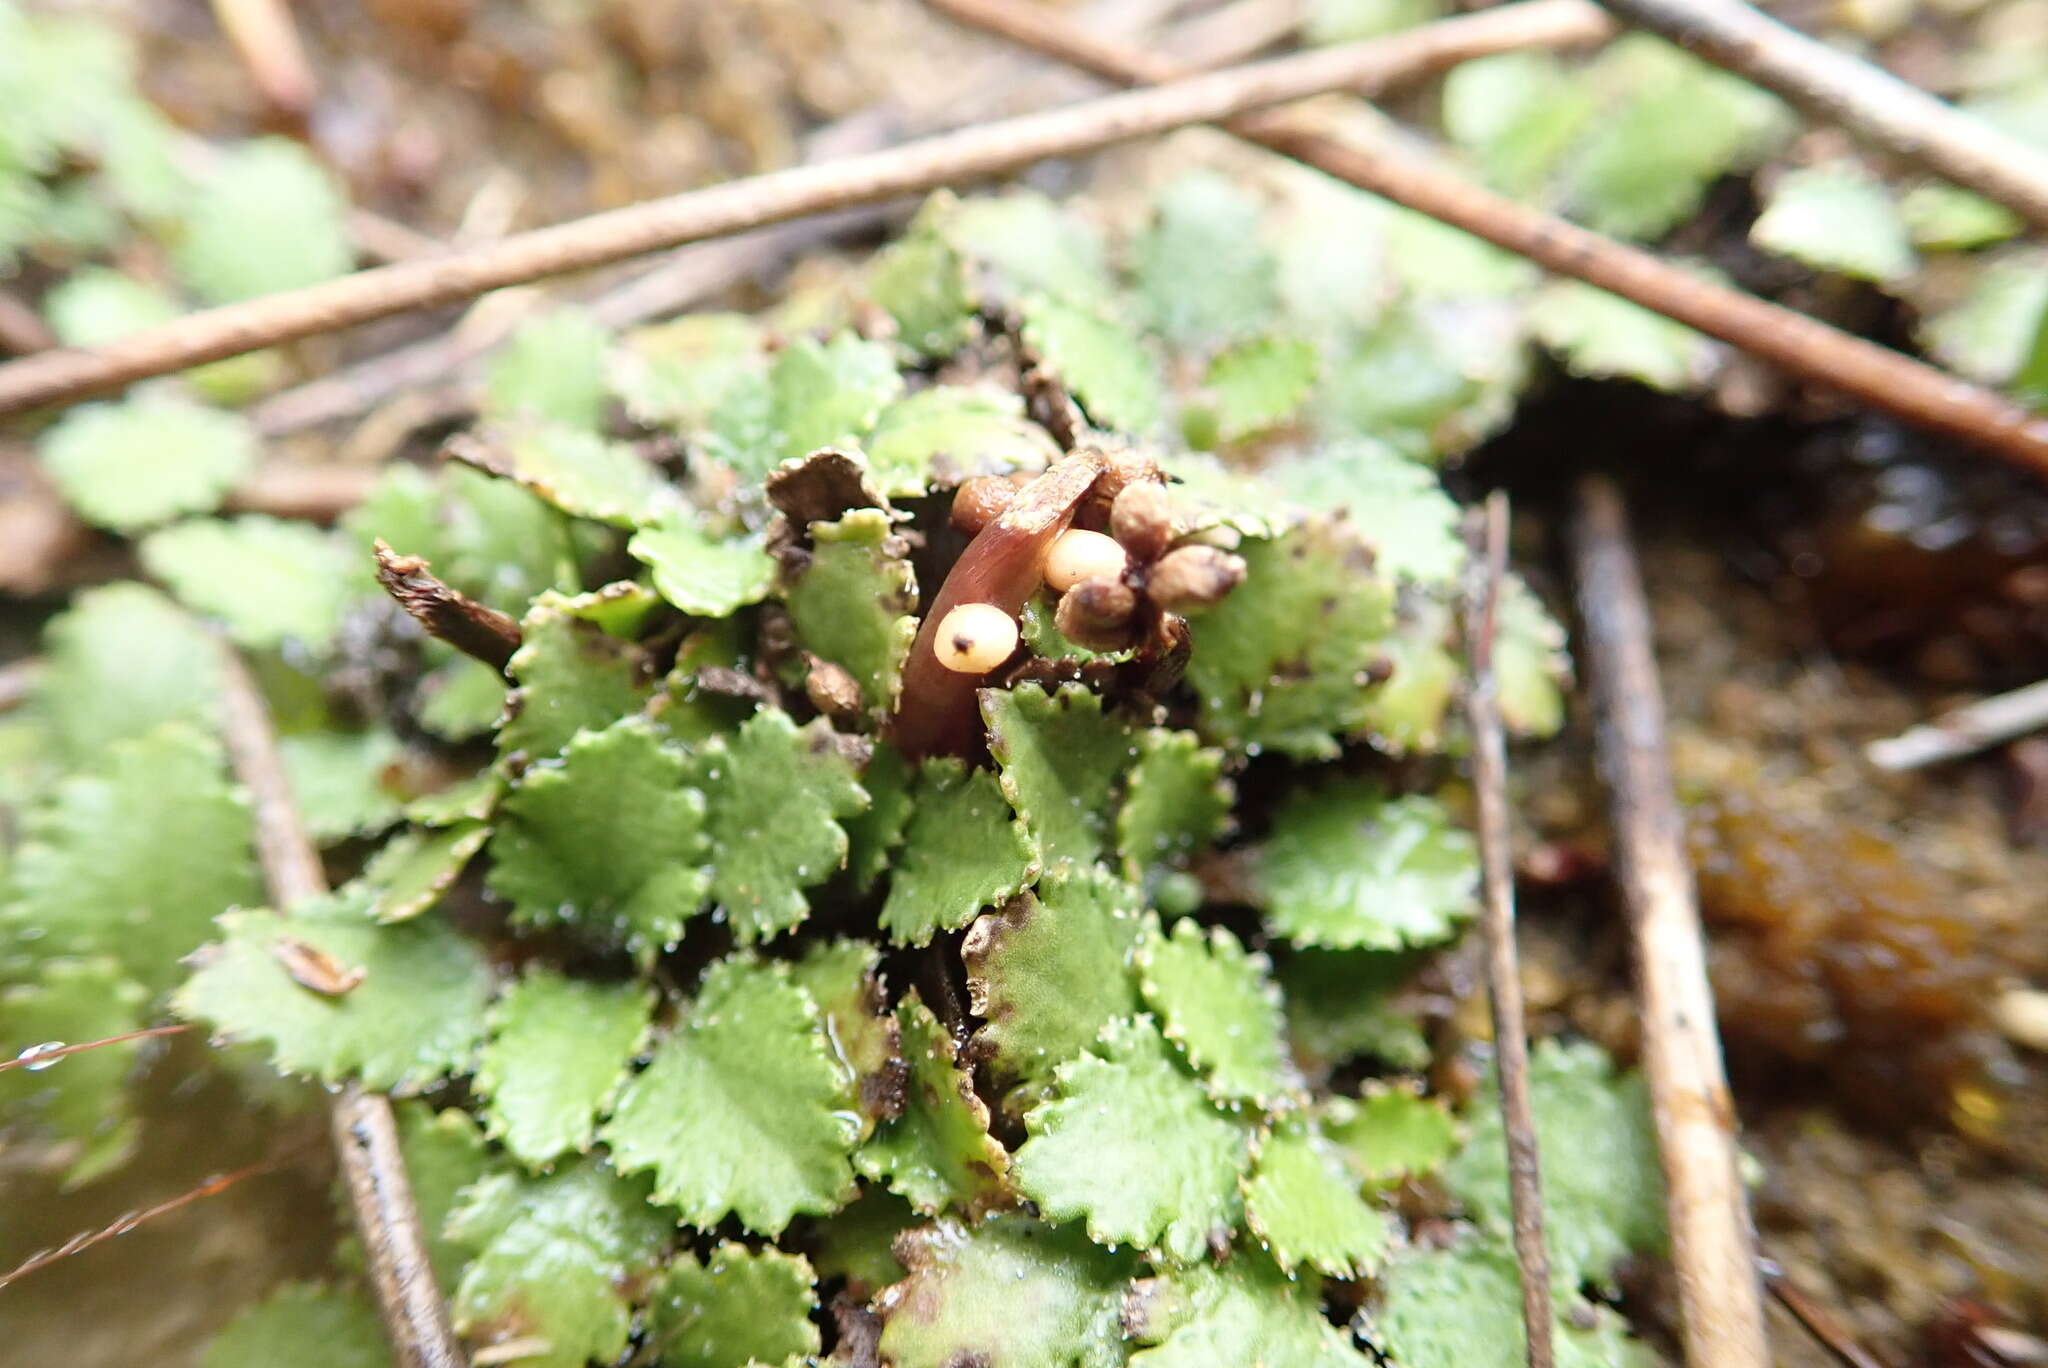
1818, 1321
1964, 731
36, 1055
365, 1135
1865, 99
1713, 1247
1886, 380
475, 629
1486, 542
967, 155
264, 37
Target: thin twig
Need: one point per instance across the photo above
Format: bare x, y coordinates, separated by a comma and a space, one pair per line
37, 1057
1884, 379
122, 1225
1819, 1322
475, 629
22, 330
1486, 542
1713, 1247
365, 1134
1865, 99
966, 155
264, 37
1965, 730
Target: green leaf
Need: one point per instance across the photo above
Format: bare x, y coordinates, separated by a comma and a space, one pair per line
338, 782
1603, 1192
854, 603
557, 1260
415, 868
1390, 1133
557, 1052
1837, 218
553, 370
1245, 1312
1176, 803
460, 699
95, 305
1348, 867
675, 374
572, 677
939, 1152
1202, 275
268, 218
1129, 1142
1047, 973
267, 580
816, 394
1218, 1004
80, 1098
1398, 505
1283, 663
940, 436
415, 1017
487, 536
1026, 242
1601, 336
922, 283
701, 574
1340, 1004
1260, 383
1946, 218
1303, 1204
1461, 1307
1515, 114
1988, 333
1098, 358
874, 835
133, 857
963, 851
1529, 663
581, 473
741, 1307
1008, 1293
610, 839
144, 460
858, 1242
844, 980
1060, 759
302, 1323
743, 1109
776, 795
121, 659
444, 1153
1347, 21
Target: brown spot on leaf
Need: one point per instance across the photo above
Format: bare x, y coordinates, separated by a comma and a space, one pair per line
313, 968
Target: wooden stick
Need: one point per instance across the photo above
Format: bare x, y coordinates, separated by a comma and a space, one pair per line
22, 330
1713, 1247
364, 1131
1819, 1322
475, 629
1865, 99
1965, 730
264, 37
966, 155
1486, 543
1886, 380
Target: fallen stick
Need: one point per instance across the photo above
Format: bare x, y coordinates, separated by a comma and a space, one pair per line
364, 1132
1713, 1247
966, 155
1964, 731
1486, 549
1886, 380
1817, 1320
1846, 90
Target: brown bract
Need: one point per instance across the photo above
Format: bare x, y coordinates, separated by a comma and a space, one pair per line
1001, 566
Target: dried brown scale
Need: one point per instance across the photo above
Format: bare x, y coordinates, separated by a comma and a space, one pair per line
1141, 518
1097, 614
980, 500
473, 628
1194, 577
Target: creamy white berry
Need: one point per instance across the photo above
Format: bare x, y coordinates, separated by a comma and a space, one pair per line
1078, 555
975, 638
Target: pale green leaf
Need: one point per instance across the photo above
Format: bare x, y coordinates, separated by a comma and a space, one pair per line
1340, 1004
445, 1152
416, 1015
962, 851
677, 373
854, 602
1348, 867
1128, 1142
306, 1325
1603, 1192
556, 1260
738, 1307
1243, 1314
580, 472
938, 1153
857, 1243
1176, 802
460, 699
571, 677
1260, 383
1390, 1133
268, 218
1098, 358
95, 305
1461, 1307
1008, 1293
415, 868
1061, 759
1217, 1003
487, 536
776, 795
923, 284
816, 394
1397, 504
1201, 272
1026, 242
1837, 218
610, 840
1946, 218
558, 1050
267, 580
118, 661
743, 1109
1986, 334
702, 574
136, 462
1601, 336
1515, 114
1347, 21
338, 781
133, 857
1304, 1205
874, 835
940, 436
553, 370
1047, 973
1529, 662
